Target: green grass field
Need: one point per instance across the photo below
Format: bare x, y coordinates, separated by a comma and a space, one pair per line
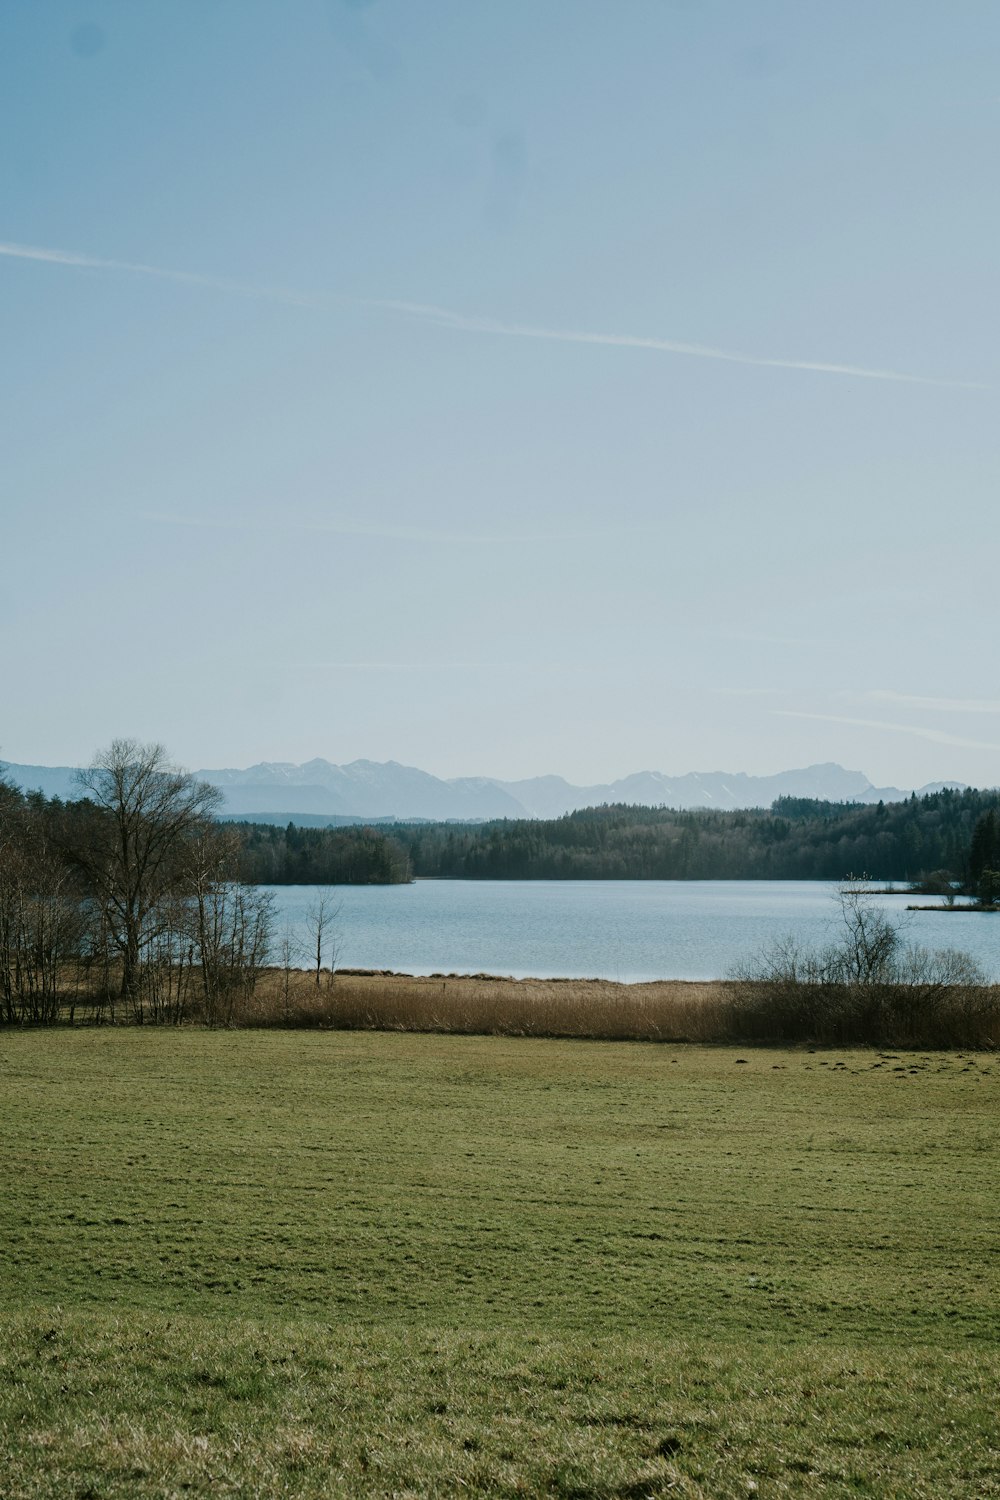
312, 1264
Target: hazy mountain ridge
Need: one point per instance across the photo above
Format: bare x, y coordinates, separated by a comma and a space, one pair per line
387, 789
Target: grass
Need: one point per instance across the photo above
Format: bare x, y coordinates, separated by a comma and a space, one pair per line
941, 1008
488, 1005
776, 1007
227, 1409
355, 1263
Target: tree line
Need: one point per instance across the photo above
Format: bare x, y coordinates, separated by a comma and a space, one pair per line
129, 900
136, 902
943, 840
272, 855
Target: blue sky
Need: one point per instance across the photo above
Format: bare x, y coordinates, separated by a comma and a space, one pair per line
367, 390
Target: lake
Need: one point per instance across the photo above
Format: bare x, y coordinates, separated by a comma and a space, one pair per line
628, 930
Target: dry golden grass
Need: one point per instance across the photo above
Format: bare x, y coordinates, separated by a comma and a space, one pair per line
482, 1004
752, 1011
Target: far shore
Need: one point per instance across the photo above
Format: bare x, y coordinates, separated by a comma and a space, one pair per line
958, 906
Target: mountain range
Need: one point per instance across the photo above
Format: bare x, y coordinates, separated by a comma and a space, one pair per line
365, 789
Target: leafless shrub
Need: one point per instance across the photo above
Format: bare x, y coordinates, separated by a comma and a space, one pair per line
869, 989
41, 924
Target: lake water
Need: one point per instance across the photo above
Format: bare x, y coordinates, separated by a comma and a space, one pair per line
611, 929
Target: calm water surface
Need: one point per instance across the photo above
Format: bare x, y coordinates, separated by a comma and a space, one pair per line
611, 929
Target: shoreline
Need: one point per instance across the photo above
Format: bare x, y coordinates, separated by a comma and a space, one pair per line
966, 906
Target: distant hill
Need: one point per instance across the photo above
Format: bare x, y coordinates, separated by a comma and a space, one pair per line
365, 789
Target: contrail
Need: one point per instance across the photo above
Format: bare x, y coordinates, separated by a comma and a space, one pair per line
138, 268
445, 318
938, 705
936, 736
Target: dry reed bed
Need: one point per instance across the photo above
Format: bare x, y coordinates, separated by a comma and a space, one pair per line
784, 1012
598, 1009
482, 1004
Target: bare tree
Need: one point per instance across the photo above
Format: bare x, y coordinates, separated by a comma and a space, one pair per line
322, 914
869, 988
41, 925
137, 849
871, 940
234, 939
286, 956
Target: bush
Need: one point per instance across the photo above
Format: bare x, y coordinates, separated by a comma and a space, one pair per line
869, 988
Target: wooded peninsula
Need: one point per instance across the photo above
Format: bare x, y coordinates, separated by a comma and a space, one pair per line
939, 842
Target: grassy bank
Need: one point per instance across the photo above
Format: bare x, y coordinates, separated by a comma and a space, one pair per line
360, 1263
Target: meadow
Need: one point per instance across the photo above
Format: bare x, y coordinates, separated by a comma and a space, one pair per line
313, 1263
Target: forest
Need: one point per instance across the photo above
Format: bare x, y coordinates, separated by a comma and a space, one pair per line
945, 840
355, 855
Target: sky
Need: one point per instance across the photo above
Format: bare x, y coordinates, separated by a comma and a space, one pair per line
502, 387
